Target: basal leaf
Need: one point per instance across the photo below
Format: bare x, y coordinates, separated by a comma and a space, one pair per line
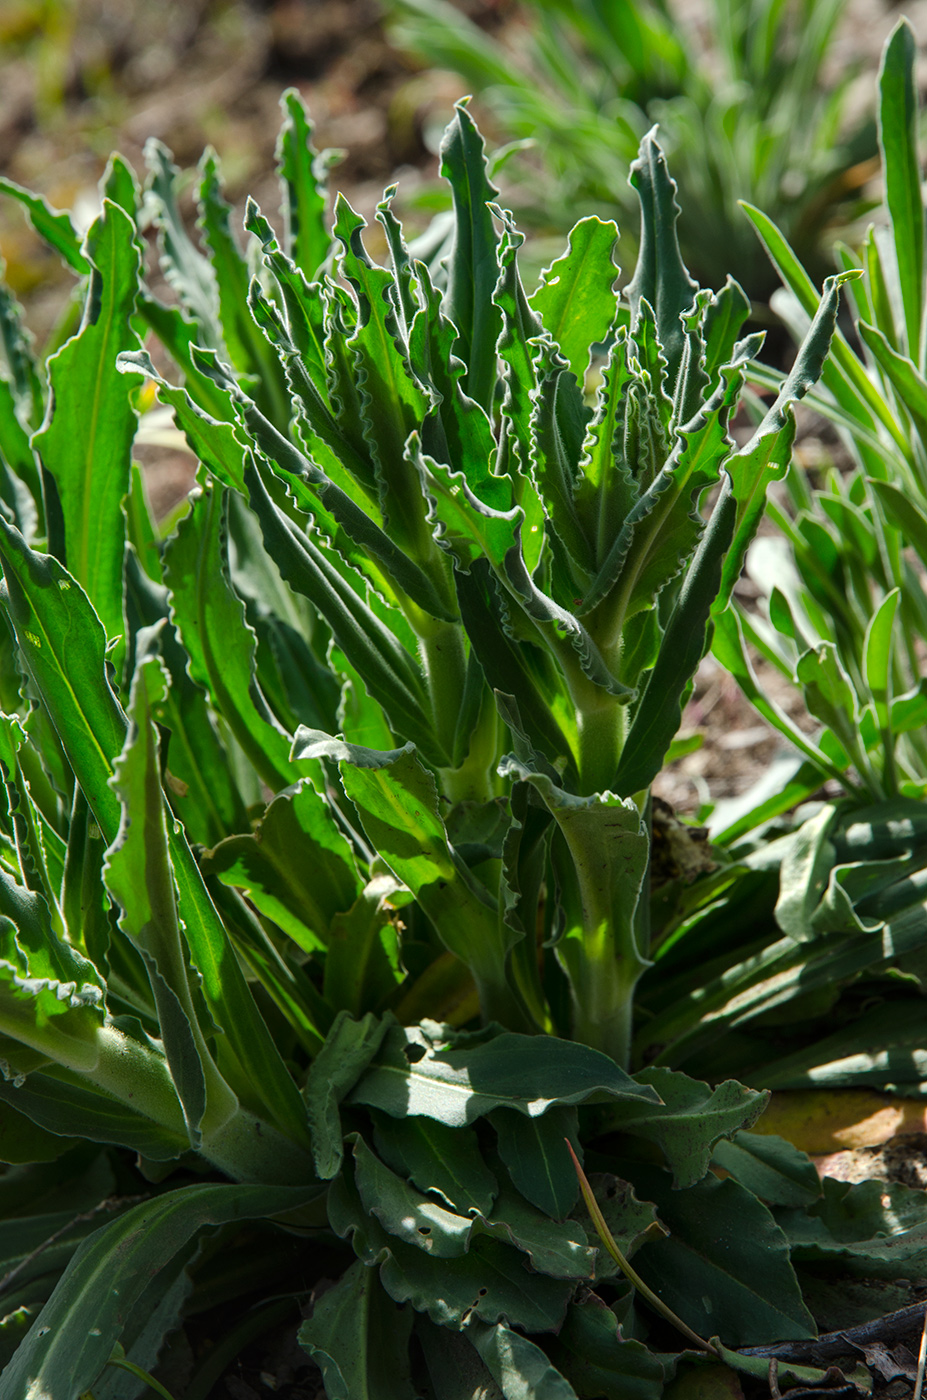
359, 1338
489, 1282
770, 1167
520, 1368
412, 1076
536, 1157
724, 1268
404, 1212
591, 1349
438, 1158
690, 1120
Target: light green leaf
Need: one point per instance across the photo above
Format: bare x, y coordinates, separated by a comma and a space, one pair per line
473, 269
898, 139
302, 172
575, 298
138, 874
86, 440
210, 619
397, 801
296, 867
54, 226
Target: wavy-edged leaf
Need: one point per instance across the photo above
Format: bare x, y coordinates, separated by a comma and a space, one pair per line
405, 1213
575, 298
472, 270
137, 872
391, 673
600, 873
393, 402
186, 269
362, 961
690, 1120
296, 868
591, 1349
489, 1282
304, 186
87, 437
410, 1075
52, 225
660, 277
349, 1048
210, 619
397, 801
63, 646
724, 1268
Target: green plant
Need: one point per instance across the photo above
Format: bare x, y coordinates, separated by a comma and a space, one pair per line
360, 751
750, 116
843, 617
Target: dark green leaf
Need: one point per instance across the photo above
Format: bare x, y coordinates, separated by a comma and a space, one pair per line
360, 1339
411, 1075
348, 1050
518, 1366
72, 1338
770, 1167
536, 1157
437, 1158
691, 1118
600, 1362
724, 1269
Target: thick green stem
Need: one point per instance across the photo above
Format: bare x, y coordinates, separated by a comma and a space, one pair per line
602, 727
444, 661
